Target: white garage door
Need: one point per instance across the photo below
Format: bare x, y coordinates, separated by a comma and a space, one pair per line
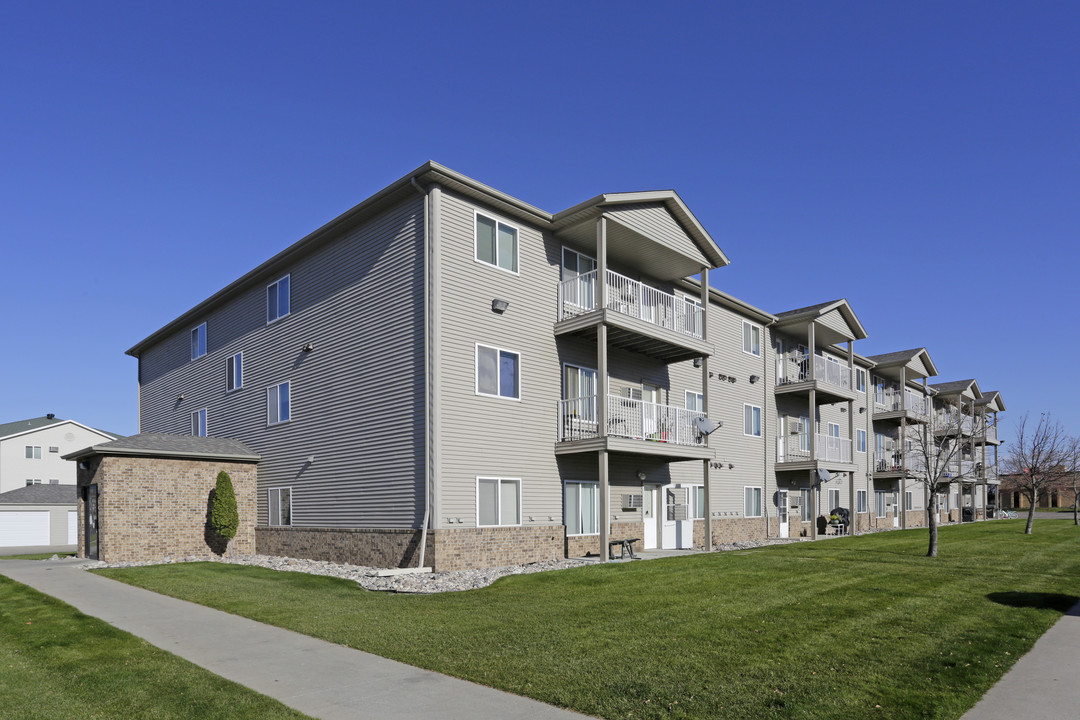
24, 528
73, 525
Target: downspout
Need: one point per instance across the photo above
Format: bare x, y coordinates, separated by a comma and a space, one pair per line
427, 371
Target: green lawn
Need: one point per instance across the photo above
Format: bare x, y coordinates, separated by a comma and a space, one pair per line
56, 662
847, 628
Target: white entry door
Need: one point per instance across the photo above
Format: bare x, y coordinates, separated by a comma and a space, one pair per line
650, 512
671, 514
782, 511
896, 510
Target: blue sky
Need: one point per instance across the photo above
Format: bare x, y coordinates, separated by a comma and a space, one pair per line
920, 159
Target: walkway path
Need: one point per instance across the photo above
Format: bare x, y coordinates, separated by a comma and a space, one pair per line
313, 676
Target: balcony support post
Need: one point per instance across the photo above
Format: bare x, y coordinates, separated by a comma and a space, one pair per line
602, 384
705, 404
814, 490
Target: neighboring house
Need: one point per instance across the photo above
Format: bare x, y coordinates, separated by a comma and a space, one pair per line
445, 372
38, 515
31, 450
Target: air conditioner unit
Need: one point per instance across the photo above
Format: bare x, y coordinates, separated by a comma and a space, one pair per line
633, 500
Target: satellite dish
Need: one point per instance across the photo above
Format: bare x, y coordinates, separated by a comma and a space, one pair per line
823, 475
707, 426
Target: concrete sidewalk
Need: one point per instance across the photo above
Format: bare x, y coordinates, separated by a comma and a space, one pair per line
1043, 683
313, 676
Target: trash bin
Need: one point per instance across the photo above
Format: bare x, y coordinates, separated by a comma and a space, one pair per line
991, 511
968, 514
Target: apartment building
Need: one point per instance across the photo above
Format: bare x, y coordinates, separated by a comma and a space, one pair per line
447, 375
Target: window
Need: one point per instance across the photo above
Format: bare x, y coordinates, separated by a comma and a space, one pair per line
278, 407
751, 339
234, 372
834, 500
33, 482
54, 482
280, 506
498, 501
497, 372
198, 342
804, 504
907, 500
695, 401
582, 508
696, 495
860, 379
54, 448
834, 430
752, 420
879, 503
751, 502
277, 300
496, 243
860, 501
860, 441
33, 452
575, 263
198, 423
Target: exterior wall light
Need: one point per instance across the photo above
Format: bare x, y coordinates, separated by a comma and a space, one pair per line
754, 379
697, 362
499, 306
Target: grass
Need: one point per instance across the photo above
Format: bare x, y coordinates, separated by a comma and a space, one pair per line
37, 556
847, 628
56, 662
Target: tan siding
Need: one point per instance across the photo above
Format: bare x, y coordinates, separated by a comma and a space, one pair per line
654, 221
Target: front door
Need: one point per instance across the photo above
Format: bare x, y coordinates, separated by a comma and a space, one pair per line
91, 514
782, 511
896, 510
650, 512
670, 519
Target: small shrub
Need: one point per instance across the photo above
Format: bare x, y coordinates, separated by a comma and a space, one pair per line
223, 515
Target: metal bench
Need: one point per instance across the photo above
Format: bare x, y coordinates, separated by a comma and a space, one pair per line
626, 546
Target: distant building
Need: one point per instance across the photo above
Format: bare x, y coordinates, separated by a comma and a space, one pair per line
31, 451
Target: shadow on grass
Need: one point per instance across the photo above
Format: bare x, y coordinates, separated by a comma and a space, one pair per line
1053, 601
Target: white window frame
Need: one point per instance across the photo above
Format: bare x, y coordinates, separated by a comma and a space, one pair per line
36, 481
860, 380
909, 500
861, 507
498, 500
579, 483
273, 500
698, 401
276, 390
748, 338
833, 493
235, 363
563, 270
198, 341
753, 491
752, 420
860, 440
276, 286
695, 495
805, 499
834, 426
498, 371
881, 503
33, 452
198, 423
517, 242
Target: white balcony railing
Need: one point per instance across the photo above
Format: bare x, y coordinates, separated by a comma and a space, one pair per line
947, 422
916, 403
895, 461
796, 448
794, 367
887, 398
630, 297
629, 418
990, 433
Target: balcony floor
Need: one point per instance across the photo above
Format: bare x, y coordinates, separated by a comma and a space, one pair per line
830, 465
670, 451
826, 393
635, 335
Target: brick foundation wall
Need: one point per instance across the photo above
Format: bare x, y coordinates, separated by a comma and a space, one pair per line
463, 548
730, 530
379, 547
156, 508
576, 546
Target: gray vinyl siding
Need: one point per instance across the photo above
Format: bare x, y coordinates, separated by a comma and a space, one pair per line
835, 321
491, 436
357, 400
653, 220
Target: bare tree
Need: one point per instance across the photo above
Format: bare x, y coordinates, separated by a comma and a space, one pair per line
1041, 458
936, 454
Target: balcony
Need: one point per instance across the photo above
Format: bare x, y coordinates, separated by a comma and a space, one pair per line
891, 404
827, 449
948, 422
897, 464
797, 374
633, 426
988, 435
640, 318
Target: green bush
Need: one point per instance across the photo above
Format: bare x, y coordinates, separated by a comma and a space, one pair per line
223, 515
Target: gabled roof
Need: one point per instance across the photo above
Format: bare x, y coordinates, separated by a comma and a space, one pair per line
413, 184
812, 312
903, 357
958, 387
164, 445
40, 495
20, 427
992, 397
